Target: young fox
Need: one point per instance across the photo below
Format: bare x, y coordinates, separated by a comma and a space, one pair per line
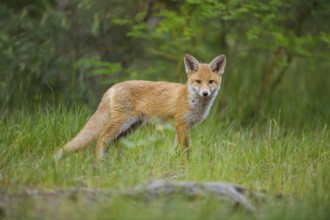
126, 105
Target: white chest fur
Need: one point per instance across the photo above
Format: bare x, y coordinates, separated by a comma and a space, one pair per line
200, 107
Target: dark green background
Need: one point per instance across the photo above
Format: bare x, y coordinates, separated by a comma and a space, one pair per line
70, 52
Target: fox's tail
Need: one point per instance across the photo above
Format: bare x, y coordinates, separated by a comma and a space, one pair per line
90, 131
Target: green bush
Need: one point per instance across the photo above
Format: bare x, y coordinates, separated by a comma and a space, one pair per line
73, 51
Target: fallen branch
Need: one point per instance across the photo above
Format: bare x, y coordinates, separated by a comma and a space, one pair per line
237, 194
151, 191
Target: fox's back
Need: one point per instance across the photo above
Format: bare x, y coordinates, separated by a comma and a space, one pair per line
158, 99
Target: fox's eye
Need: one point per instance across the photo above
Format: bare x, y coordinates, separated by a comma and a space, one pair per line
198, 81
211, 81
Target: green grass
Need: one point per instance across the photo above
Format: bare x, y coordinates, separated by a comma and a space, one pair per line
293, 164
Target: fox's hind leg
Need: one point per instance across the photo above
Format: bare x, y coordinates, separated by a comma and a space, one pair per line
124, 134
115, 129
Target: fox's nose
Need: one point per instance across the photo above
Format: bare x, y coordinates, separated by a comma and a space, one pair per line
205, 93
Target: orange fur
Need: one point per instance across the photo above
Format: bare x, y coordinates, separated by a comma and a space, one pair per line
126, 105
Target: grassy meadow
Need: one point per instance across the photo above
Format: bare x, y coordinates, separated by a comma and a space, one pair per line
268, 130
291, 167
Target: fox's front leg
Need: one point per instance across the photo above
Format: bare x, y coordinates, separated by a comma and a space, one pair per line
182, 137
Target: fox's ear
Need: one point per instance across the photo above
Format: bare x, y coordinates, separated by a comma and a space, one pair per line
190, 63
218, 64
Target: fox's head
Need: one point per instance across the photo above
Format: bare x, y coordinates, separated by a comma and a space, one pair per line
204, 79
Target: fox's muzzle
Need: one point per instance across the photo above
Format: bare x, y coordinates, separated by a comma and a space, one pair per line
204, 93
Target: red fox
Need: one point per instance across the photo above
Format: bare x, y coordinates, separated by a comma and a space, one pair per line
126, 105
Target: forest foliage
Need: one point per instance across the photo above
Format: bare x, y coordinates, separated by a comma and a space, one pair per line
268, 129
71, 51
